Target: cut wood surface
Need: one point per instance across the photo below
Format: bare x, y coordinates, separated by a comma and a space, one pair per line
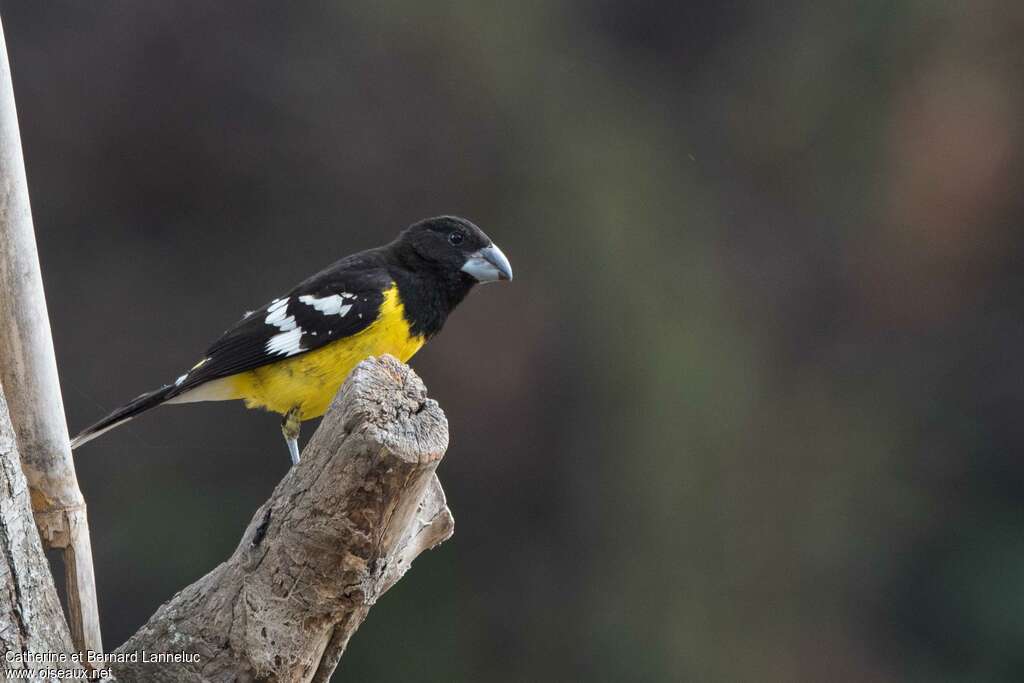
339, 530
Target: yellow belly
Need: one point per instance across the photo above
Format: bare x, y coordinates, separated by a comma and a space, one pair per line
310, 381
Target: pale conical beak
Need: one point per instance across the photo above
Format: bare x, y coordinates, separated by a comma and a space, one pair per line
488, 265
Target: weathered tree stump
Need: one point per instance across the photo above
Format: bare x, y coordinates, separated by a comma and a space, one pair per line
339, 530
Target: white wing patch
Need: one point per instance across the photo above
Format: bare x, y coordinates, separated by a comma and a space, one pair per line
277, 315
330, 305
287, 341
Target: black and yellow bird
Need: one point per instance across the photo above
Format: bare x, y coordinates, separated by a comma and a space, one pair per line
292, 355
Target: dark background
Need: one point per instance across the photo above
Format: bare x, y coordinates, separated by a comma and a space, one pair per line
752, 408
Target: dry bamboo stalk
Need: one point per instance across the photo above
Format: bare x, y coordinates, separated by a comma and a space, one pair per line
28, 373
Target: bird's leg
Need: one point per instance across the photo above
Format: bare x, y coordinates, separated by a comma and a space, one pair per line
290, 425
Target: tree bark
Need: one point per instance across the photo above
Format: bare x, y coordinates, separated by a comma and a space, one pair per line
30, 615
339, 530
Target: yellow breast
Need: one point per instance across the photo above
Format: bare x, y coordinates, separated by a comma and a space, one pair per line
309, 381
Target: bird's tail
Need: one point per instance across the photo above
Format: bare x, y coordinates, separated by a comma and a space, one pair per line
126, 412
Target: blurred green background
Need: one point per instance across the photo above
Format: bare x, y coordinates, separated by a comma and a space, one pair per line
752, 408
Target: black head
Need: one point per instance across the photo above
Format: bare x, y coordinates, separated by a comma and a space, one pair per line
454, 247
440, 260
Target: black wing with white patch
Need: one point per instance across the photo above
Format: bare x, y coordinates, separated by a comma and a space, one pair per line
321, 310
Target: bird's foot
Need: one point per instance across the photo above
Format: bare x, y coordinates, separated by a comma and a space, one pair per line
290, 426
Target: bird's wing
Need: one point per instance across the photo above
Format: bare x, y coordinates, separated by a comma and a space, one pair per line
329, 306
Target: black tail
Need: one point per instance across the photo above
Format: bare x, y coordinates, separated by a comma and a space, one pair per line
124, 413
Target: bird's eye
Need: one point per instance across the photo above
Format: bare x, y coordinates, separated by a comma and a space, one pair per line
456, 238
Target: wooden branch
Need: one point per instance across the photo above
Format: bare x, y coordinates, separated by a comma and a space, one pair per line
339, 530
28, 373
30, 616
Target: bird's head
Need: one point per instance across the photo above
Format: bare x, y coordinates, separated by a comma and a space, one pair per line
456, 246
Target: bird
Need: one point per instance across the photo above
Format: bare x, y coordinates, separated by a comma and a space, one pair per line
292, 355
